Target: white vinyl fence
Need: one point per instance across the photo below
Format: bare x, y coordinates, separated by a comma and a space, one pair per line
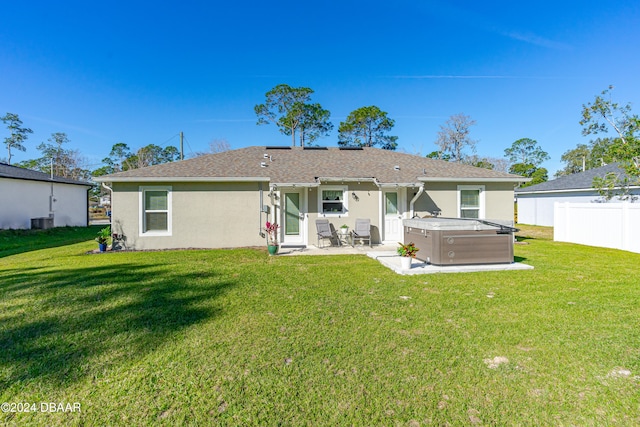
608, 225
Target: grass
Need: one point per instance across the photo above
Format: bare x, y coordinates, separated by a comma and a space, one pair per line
240, 338
533, 232
18, 241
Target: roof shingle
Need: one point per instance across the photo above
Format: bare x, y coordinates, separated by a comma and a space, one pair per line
306, 165
576, 181
14, 172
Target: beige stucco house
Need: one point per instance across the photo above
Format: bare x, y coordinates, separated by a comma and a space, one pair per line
223, 200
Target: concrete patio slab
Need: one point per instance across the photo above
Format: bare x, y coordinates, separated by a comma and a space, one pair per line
387, 256
391, 260
334, 250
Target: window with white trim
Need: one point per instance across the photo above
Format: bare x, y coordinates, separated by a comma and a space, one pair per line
155, 211
333, 200
471, 201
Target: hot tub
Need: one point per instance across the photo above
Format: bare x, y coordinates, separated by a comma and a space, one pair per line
456, 241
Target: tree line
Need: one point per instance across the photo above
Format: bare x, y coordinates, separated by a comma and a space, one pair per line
293, 112
63, 162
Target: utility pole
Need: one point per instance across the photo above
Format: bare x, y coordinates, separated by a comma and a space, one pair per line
181, 146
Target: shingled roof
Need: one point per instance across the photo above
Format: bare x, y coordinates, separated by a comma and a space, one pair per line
310, 165
14, 172
576, 181
299, 165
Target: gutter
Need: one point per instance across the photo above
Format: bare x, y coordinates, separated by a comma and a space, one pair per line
442, 179
399, 184
321, 179
295, 184
106, 178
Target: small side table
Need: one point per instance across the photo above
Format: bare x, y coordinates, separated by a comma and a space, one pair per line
344, 239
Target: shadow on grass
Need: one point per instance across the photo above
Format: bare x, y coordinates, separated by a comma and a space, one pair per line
13, 242
61, 326
525, 238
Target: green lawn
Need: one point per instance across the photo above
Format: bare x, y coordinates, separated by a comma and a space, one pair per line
240, 338
18, 241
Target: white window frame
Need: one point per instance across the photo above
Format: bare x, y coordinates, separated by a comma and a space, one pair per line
345, 200
142, 216
481, 208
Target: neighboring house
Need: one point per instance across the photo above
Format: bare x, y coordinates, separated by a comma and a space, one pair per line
28, 194
105, 200
535, 203
224, 199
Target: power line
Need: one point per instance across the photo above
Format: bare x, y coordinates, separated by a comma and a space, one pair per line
188, 145
164, 143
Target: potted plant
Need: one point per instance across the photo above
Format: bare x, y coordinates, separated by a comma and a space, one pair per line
272, 237
406, 252
344, 229
103, 238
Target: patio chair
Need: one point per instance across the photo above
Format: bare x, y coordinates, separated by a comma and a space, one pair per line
324, 231
361, 231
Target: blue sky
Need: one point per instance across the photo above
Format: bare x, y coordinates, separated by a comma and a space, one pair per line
141, 72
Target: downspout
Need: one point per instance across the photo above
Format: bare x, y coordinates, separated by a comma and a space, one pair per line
51, 214
111, 198
260, 232
88, 206
273, 198
415, 198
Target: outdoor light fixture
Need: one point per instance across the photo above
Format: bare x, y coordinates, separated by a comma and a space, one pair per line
355, 196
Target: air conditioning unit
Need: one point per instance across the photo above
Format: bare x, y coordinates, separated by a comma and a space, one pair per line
43, 223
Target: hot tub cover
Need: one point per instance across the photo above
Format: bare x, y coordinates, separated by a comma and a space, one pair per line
455, 224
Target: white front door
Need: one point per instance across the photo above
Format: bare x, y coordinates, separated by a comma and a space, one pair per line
293, 208
393, 212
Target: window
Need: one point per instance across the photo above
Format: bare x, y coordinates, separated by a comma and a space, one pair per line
155, 211
471, 201
333, 201
391, 203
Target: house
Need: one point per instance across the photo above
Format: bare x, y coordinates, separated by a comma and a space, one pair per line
224, 199
28, 195
535, 203
105, 200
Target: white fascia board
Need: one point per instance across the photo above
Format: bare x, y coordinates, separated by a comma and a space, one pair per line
479, 180
399, 184
183, 179
295, 184
345, 179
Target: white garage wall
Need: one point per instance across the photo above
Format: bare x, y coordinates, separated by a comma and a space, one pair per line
21, 200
